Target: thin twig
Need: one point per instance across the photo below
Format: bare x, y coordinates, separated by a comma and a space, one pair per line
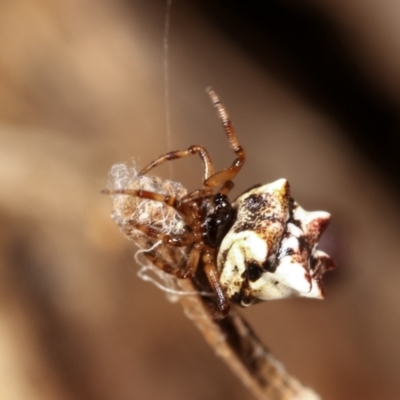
235, 342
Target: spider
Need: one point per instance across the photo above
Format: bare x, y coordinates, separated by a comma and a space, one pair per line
262, 246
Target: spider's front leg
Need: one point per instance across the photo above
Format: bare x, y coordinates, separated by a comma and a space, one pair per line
145, 194
221, 177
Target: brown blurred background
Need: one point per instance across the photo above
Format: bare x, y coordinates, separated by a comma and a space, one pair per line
313, 90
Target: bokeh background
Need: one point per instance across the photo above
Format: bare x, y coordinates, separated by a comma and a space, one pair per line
313, 90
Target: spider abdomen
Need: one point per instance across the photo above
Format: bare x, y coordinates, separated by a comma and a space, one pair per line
269, 251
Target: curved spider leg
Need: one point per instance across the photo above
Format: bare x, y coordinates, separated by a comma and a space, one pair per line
229, 173
178, 205
182, 240
226, 187
181, 273
159, 263
196, 194
210, 269
175, 241
173, 155
145, 194
192, 262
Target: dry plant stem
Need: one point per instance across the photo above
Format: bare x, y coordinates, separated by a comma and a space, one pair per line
235, 342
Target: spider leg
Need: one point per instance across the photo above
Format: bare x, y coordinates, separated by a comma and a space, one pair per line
181, 273
213, 278
226, 187
145, 194
179, 205
173, 155
182, 240
229, 173
192, 263
159, 263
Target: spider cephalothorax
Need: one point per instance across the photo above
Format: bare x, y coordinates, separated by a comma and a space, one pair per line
262, 246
